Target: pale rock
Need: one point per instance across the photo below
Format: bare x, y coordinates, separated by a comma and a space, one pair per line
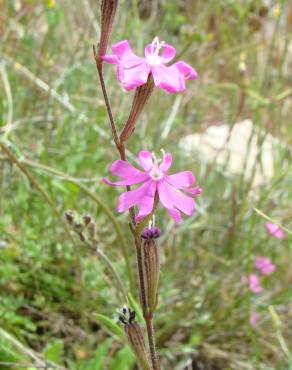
234, 150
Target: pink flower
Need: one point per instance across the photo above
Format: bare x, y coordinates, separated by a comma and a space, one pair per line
155, 180
253, 318
133, 71
275, 230
265, 265
253, 282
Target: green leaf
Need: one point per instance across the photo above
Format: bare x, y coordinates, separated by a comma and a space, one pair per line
7, 353
196, 339
53, 351
134, 304
109, 324
257, 100
97, 363
124, 360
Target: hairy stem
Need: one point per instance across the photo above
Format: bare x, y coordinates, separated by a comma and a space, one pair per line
136, 233
152, 344
142, 290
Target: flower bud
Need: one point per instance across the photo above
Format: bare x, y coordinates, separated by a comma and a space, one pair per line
151, 266
141, 97
87, 219
135, 336
69, 216
75, 221
108, 12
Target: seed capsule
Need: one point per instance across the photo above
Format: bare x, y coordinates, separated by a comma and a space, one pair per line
151, 262
108, 12
135, 336
141, 97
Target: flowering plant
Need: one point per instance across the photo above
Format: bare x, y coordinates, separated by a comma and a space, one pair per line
156, 185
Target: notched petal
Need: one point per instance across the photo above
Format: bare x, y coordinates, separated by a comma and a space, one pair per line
186, 70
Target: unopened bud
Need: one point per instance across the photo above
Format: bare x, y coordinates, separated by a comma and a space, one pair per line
135, 336
69, 217
87, 219
151, 233
141, 97
151, 266
108, 12
74, 220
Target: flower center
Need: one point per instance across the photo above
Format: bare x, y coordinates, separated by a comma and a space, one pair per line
155, 173
153, 58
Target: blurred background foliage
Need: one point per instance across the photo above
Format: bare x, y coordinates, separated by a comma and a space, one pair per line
57, 300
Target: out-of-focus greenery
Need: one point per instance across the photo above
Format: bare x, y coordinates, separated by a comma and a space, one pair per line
55, 295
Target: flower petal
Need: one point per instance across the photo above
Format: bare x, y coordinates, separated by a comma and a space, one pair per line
112, 59
264, 265
171, 198
126, 55
275, 230
175, 214
128, 181
145, 159
194, 191
168, 78
147, 202
138, 196
168, 52
186, 70
133, 77
254, 284
166, 162
181, 179
124, 169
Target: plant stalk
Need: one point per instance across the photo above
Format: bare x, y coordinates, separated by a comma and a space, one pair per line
152, 344
136, 233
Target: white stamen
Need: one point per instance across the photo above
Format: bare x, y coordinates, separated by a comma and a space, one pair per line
156, 45
156, 173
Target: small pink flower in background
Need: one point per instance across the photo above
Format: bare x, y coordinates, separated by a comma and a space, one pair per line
275, 230
265, 265
253, 318
133, 71
155, 179
254, 283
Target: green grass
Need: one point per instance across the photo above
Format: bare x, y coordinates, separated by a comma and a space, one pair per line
53, 120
